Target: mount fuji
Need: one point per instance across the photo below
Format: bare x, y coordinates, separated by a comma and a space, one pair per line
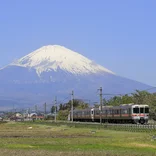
55, 70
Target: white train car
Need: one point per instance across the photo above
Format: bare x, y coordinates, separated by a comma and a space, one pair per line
125, 113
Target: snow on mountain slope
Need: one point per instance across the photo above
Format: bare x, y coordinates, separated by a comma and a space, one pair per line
55, 57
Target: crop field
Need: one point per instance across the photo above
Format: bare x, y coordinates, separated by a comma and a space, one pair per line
38, 139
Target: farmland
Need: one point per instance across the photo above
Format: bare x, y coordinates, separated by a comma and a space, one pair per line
38, 139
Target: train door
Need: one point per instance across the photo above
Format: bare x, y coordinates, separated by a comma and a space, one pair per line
92, 114
129, 112
120, 111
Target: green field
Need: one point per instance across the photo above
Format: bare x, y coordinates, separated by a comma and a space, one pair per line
20, 139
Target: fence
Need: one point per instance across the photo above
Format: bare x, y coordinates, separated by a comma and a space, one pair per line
118, 127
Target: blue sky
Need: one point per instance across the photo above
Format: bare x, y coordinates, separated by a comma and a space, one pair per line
118, 34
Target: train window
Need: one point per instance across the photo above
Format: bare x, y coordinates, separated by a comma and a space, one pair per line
97, 112
146, 110
136, 110
124, 111
109, 111
92, 112
141, 110
114, 111
117, 112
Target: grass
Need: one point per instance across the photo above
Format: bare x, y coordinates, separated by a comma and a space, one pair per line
41, 139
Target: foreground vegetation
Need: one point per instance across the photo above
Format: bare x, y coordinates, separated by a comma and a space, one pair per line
38, 139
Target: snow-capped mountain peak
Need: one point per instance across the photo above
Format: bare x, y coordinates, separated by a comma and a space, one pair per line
54, 57
56, 70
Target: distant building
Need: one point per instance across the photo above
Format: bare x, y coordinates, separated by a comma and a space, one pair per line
16, 116
37, 116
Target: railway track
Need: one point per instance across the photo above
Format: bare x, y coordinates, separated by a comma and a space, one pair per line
111, 126
147, 126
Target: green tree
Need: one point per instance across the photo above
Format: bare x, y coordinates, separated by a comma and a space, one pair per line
127, 99
83, 105
141, 97
61, 106
115, 101
53, 109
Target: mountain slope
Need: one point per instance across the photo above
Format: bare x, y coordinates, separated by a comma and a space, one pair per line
56, 70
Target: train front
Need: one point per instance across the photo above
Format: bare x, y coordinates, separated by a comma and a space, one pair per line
140, 113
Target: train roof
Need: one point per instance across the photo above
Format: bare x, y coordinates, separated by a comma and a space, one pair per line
124, 106
83, 109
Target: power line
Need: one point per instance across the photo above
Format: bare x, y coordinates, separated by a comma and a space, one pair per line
129, 92
63, 100
150, 88
45, 108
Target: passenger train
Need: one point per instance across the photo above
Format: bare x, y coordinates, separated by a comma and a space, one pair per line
125, 113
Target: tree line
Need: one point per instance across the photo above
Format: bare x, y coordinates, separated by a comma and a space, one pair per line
139, 97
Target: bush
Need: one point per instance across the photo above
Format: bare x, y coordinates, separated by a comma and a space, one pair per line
63, 115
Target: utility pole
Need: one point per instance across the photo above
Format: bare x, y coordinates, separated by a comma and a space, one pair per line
36, 111
45, 108
101, 101
29, 112
13, 109
72, 101
36, 108
55, 107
